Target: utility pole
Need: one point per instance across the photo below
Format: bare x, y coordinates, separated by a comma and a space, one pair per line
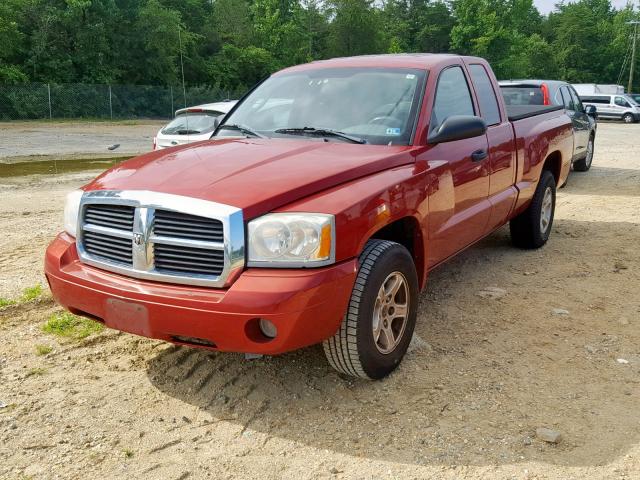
633, 53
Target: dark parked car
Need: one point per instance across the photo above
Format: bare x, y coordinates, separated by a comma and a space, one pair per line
554, 92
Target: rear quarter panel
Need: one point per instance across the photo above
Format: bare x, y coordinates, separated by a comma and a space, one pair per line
536, 139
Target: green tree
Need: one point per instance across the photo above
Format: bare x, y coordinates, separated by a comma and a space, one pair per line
355, 29
12, 41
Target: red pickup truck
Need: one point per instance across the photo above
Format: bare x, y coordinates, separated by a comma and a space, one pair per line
315, 212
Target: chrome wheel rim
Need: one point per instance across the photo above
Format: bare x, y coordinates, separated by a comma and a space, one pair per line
628, 118
547, 210
589, 152
390, 312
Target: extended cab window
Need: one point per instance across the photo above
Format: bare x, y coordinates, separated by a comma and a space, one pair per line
486, 95
452, 97
373, 105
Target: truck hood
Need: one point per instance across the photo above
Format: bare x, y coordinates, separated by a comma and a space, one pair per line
257, 175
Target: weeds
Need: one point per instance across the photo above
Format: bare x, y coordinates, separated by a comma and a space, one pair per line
128, 453
29, 294
43, 350
67, 325
5, 302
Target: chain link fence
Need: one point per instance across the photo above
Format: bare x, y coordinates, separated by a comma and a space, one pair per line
31, 101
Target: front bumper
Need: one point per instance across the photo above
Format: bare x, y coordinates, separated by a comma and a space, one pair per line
306, 306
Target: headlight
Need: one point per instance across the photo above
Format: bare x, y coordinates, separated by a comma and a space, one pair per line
291, 240
71, 207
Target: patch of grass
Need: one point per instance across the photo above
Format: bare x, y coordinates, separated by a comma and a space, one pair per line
31, 293
68, 325
36, 371
5, 302
128, 453
28, 294
43, 349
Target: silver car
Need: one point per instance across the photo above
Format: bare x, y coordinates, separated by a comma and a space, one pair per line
618, 107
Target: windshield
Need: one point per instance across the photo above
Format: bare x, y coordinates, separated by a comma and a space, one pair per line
192, 123
372, 105
631, 100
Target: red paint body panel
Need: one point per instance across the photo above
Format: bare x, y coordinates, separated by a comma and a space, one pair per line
305, 305
449, 201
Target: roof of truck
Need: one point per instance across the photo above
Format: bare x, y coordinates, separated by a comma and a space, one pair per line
395, 60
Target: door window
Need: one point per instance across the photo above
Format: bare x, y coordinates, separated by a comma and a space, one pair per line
452, 97
621, 102
576, 100
566, 99
486, 95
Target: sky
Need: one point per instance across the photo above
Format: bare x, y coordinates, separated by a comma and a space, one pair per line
545, 6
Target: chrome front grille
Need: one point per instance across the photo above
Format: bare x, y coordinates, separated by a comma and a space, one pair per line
114, 216
176, 224
108, 247
161, 237
172, 258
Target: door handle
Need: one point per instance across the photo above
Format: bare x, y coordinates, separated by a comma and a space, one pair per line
478, 155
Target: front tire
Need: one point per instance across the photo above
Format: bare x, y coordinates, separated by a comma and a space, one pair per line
584, 164
532, 227
628, 118
381, 316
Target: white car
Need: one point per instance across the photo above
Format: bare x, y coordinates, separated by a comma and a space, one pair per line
192, 124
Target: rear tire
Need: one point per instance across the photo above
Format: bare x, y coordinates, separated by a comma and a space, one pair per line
532, 227
584, 164
379, 322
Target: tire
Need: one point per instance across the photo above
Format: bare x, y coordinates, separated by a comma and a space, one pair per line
528, 229
628, 118
358, 348
584, 164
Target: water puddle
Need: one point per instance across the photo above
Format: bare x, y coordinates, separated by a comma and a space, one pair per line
56, 166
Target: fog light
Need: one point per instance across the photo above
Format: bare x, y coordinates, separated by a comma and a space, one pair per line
268, 329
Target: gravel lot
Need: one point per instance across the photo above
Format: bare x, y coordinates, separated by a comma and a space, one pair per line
483, 375
22, 141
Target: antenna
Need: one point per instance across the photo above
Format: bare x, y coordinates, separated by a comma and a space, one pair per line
635, 24
184, 90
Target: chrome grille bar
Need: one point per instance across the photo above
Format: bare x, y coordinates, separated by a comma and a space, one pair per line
161, 237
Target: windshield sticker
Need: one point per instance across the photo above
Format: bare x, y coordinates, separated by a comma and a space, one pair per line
410, 76
393, 131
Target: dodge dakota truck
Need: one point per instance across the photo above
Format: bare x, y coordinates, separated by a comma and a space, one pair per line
315, 212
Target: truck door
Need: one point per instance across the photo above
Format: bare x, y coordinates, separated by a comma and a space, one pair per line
459, 209
502, 164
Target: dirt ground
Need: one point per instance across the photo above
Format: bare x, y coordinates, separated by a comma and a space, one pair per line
465, 404
25, 141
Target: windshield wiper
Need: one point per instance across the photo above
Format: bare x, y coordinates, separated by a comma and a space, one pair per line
187, 132
241, 128
323, 132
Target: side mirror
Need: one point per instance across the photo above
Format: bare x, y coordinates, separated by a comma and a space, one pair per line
457, 127
591, 110
216, 121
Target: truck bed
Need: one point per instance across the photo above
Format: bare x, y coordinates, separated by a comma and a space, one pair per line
518, 112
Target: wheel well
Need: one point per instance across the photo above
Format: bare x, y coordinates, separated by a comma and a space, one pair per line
406, 231
553, 163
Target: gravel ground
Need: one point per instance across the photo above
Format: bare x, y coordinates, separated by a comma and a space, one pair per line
25, 141
554, 344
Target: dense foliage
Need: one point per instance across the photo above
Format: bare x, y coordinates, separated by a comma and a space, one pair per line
232, 44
